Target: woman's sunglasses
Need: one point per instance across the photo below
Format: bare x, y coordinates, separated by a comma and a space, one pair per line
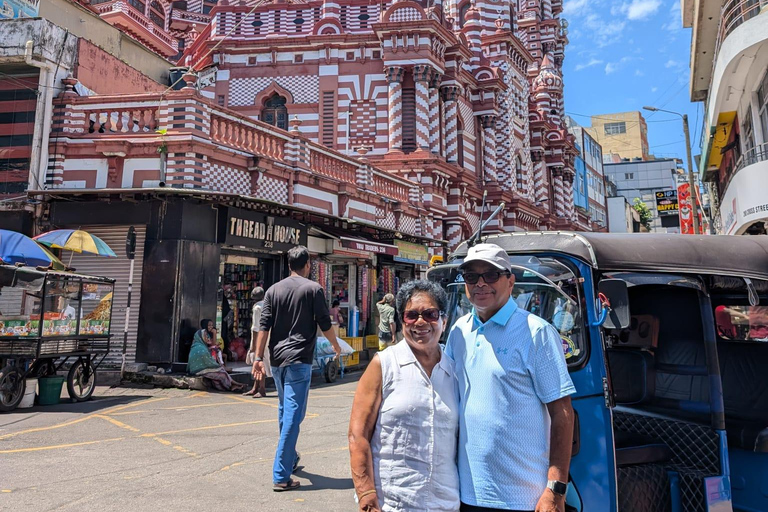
489, 277
411, 316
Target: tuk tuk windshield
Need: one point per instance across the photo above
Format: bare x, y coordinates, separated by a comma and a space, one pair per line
546, 287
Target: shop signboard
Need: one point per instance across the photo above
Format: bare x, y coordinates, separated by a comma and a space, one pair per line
666, 202
260, 231
685, 207
19, 8
411, 253
367, 246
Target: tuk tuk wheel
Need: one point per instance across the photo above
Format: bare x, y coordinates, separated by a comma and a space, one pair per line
331, 371
12, 386
81, 380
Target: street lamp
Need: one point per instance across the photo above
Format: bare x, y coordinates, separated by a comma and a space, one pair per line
691, 181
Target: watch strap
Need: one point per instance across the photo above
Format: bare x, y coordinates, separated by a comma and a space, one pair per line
557, 487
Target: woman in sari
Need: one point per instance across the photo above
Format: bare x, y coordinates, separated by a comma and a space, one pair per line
202, 364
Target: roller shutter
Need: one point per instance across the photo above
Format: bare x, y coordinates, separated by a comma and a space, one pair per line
118, 269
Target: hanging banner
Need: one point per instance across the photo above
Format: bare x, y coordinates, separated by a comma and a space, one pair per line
19, 9
411, 253
685, 207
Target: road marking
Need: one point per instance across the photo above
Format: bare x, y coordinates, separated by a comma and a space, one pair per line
117, 423
59, 446
162, 441
198, 394
255, 401
178, 408
80, 420
211, 427
5, 490
185, 451
270, 459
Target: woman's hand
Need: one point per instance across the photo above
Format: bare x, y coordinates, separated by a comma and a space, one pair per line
369, 503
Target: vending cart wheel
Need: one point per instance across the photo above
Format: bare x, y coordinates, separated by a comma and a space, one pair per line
331, 371
81, 380
12, 386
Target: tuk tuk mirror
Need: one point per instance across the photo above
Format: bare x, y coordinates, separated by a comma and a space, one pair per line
615, 290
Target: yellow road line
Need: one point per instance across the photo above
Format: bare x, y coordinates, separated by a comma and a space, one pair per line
117, 423
211, 427
198, 394
270, 459
80, 420
59, 446
162, 441
179, 408
185, 451
255, 401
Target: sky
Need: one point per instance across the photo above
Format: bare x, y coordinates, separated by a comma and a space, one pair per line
624, 55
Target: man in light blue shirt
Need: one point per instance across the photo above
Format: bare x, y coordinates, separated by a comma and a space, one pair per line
516, 419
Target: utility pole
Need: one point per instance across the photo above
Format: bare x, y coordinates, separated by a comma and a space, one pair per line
691, 181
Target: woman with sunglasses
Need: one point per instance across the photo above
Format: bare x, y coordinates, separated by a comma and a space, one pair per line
404, 424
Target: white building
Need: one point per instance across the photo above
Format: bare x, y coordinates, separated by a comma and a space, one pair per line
729, 64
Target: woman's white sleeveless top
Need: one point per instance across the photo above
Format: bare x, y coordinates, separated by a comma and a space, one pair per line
415, 441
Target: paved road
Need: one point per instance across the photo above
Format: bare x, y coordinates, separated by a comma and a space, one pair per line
168, 450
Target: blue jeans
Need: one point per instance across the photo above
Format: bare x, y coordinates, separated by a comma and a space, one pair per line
292, 384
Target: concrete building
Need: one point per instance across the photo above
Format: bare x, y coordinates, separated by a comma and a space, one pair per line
623, 133
622, 217
592, 155
729, 72
643, 180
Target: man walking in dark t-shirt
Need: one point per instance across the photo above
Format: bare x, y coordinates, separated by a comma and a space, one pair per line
292, 310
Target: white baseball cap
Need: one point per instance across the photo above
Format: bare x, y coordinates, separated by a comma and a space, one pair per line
490, 253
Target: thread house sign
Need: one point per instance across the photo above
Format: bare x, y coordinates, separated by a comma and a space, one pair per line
260, 231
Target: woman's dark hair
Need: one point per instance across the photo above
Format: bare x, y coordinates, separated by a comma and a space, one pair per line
335, 303
298, 257
204, 323
411, 288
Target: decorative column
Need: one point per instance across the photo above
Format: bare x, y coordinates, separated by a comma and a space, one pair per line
394, 76
570, 207
434, 113
422, 77
559, 189
450, 95
331, 9
489, 146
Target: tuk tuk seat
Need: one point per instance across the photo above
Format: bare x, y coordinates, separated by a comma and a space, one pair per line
633, 377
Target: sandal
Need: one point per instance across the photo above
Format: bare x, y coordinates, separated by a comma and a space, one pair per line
290, 485
296, 464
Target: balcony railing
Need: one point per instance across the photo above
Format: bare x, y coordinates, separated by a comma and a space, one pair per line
138, 17
757, 154
732, 15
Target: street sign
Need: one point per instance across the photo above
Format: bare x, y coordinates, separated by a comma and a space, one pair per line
666, 202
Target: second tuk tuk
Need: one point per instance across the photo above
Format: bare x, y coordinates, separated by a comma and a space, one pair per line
666, 340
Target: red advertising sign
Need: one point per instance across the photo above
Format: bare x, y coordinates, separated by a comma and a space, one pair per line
685, 207
364, 245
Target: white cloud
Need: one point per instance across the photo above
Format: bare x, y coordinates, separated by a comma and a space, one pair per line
610, 68
575, 7
592, 62
603, 32
654, 89
675, 20
639, 73
671, 64
637, 9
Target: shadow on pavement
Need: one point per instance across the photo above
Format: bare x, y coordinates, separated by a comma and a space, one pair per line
321, 483
93, 405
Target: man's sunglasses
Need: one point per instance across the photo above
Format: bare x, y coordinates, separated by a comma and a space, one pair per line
489, 277
411, 316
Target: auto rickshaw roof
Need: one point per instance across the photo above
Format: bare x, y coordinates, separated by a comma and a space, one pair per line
740, 256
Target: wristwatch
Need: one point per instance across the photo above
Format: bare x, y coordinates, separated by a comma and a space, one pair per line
558, 488
258, 359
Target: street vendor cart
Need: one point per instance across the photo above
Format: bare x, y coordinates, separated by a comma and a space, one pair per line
48, 318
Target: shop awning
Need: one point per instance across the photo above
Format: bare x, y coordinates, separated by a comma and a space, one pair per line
718, 141
360, 244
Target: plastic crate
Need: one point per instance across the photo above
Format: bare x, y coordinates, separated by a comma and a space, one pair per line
351, 360
372, 341
356, 342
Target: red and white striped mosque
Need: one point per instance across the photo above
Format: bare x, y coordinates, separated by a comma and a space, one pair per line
400, 114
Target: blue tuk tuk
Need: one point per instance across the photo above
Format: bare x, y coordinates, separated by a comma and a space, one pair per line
666, 339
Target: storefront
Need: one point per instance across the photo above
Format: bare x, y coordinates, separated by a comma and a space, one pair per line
253, 248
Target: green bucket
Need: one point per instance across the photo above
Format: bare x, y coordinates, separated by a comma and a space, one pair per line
50, 390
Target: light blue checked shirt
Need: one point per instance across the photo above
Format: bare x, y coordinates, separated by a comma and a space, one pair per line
508, 369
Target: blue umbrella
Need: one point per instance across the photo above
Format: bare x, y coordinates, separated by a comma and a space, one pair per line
18, 248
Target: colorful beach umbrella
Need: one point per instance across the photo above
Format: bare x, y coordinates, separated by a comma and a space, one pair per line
76, 240
17, 248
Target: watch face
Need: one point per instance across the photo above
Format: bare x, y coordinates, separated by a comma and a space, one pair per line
557, 487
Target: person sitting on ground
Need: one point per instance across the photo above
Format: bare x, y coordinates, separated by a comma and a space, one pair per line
202, 364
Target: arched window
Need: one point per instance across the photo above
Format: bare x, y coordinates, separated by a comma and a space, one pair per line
157, 14
463, 13
275, 112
